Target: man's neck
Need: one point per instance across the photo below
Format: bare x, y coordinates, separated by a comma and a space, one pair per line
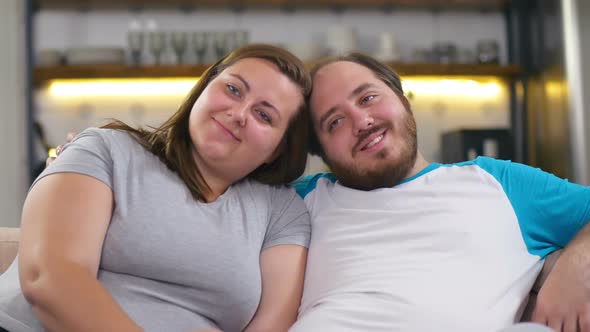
419, 165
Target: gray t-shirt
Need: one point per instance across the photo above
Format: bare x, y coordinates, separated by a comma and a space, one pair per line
172, 263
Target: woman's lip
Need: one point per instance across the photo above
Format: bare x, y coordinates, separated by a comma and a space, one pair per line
226, 130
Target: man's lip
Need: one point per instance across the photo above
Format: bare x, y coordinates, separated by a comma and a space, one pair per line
363, 142
227, 130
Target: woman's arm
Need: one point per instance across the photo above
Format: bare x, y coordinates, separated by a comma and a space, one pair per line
64, 222
283, 269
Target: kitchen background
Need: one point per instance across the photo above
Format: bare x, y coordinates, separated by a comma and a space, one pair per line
484, 77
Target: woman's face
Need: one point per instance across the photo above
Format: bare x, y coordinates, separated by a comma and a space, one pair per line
239, 120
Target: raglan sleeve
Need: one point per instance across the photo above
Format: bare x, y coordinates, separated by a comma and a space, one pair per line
550, 210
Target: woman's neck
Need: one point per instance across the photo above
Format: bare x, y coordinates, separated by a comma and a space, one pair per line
217, 183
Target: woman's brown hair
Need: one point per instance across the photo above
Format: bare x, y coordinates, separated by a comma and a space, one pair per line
172, 143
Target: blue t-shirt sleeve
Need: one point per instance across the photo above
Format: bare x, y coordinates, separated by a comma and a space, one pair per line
550, 210
306, 184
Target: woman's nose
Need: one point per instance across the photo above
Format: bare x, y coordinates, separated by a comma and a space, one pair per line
239, 114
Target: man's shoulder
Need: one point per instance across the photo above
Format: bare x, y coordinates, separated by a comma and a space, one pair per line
306, 184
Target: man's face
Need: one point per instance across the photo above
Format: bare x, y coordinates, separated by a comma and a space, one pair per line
368, 136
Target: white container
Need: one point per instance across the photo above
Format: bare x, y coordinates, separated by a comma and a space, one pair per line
341, 39
95, 55
305, 51
388, 50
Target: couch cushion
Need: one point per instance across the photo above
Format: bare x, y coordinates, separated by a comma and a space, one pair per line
9, 237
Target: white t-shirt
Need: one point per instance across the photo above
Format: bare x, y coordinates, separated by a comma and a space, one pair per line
454, 248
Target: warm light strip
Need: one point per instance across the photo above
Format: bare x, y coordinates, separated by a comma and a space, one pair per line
456, 87
452, 88
121, 87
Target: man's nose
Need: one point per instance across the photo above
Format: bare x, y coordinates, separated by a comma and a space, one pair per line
361, 120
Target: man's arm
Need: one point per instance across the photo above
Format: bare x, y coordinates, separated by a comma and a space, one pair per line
563, 302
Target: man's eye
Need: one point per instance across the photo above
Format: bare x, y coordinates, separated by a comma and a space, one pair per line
233, 90
334, 123
367, 99
264, 116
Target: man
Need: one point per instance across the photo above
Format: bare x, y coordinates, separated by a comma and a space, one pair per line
401, 244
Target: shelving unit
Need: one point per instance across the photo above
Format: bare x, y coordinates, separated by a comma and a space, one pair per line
44, 74
117, 4
515, 13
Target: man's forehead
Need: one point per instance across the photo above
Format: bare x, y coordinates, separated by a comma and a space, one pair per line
336, 71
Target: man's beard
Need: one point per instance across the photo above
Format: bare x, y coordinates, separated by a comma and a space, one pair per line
389, 172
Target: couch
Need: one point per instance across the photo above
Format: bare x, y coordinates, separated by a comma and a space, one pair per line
9, 246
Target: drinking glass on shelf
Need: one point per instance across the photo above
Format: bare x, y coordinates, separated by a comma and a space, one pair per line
200, 44
241, 38
220, 43
179, 42
135, 41
157, 44
488, 52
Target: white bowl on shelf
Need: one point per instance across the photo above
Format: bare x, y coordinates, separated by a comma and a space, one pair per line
95, 55
48, 58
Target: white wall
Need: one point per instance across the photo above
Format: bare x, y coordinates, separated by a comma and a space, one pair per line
577, 49
13, 146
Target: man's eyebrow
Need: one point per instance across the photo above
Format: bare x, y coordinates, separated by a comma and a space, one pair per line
238, 76
326, 115
360, 89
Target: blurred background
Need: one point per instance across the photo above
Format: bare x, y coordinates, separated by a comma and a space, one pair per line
501, 78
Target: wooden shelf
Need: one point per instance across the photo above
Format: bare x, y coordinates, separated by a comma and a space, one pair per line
44, 74
294, 4
406, 69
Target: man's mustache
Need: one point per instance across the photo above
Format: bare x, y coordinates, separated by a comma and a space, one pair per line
365, 134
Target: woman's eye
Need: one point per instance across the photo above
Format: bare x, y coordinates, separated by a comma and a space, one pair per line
233, 90
367, 99
264, 116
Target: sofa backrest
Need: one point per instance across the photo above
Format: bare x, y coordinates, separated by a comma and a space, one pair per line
8, 246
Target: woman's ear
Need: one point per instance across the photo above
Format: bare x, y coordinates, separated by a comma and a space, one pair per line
277, 152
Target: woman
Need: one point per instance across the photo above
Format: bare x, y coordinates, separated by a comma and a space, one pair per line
180, 228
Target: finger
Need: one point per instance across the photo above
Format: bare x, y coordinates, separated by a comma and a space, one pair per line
570, 324
556, 324
48, 161
584, 321
71, 136
58, 149
539, 317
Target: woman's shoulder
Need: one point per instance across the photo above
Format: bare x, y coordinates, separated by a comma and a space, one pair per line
112, 139
105, 134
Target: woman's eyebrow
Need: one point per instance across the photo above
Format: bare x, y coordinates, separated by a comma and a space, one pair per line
238, 76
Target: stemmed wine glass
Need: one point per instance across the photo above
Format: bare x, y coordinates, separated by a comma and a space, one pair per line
179, 42
200, 43
135, 40
220, 43
241, 38
156, 41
